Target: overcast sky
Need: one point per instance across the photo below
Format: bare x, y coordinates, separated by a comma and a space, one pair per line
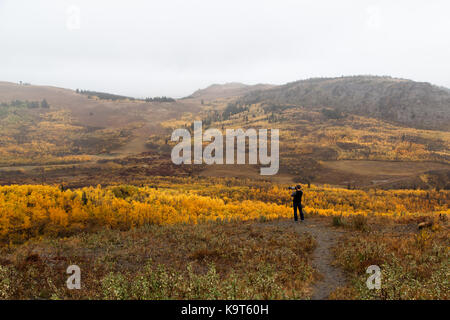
174, 47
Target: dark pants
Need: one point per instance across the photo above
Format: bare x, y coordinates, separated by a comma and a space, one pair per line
299, 206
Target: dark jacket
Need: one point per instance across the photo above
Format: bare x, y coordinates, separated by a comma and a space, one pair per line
297, 195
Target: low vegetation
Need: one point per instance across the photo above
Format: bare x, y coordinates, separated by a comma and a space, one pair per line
34, 134
215, 260
30, 211
153, 230
414, 264
310, 135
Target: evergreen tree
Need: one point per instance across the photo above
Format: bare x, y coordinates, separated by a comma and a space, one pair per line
44, 104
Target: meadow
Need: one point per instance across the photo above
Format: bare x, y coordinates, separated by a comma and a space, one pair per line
29, 211
217, 238
235, 260
153, 230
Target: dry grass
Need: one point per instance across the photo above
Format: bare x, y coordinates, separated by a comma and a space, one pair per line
414, 263
357, 222
242, 260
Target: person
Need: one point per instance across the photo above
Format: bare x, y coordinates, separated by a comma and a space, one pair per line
297, 201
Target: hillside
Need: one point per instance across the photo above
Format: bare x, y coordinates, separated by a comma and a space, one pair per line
344, 144
415, 104
228, 90
84, 140
348, 150
97, 195
74, 125
87, 110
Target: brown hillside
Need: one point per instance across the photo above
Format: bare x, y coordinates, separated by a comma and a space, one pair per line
415, 104
94, 112
228, 90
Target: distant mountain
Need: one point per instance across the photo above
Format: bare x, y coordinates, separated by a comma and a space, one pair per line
227, 90
89, 108
445, 89
414, 104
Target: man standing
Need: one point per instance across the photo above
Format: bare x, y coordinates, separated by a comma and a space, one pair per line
297, 197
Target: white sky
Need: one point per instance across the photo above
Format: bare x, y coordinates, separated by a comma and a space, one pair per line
174, 47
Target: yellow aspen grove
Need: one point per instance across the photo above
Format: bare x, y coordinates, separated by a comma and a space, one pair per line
32, 210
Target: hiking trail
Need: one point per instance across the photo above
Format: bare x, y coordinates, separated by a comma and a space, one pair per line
322, 258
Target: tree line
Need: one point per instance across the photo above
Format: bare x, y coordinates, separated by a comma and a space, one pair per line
115, 97
29, 104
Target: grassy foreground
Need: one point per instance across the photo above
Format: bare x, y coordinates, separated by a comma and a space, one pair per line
414, 264
239, 260
191, 238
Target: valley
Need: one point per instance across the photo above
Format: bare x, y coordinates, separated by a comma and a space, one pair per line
90, 179
224, 159
85, 133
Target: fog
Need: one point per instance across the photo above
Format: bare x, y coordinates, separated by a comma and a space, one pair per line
174, 47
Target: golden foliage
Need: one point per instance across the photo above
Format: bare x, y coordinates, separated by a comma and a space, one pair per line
28, 211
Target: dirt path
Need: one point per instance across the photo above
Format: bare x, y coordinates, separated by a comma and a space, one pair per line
326, 237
